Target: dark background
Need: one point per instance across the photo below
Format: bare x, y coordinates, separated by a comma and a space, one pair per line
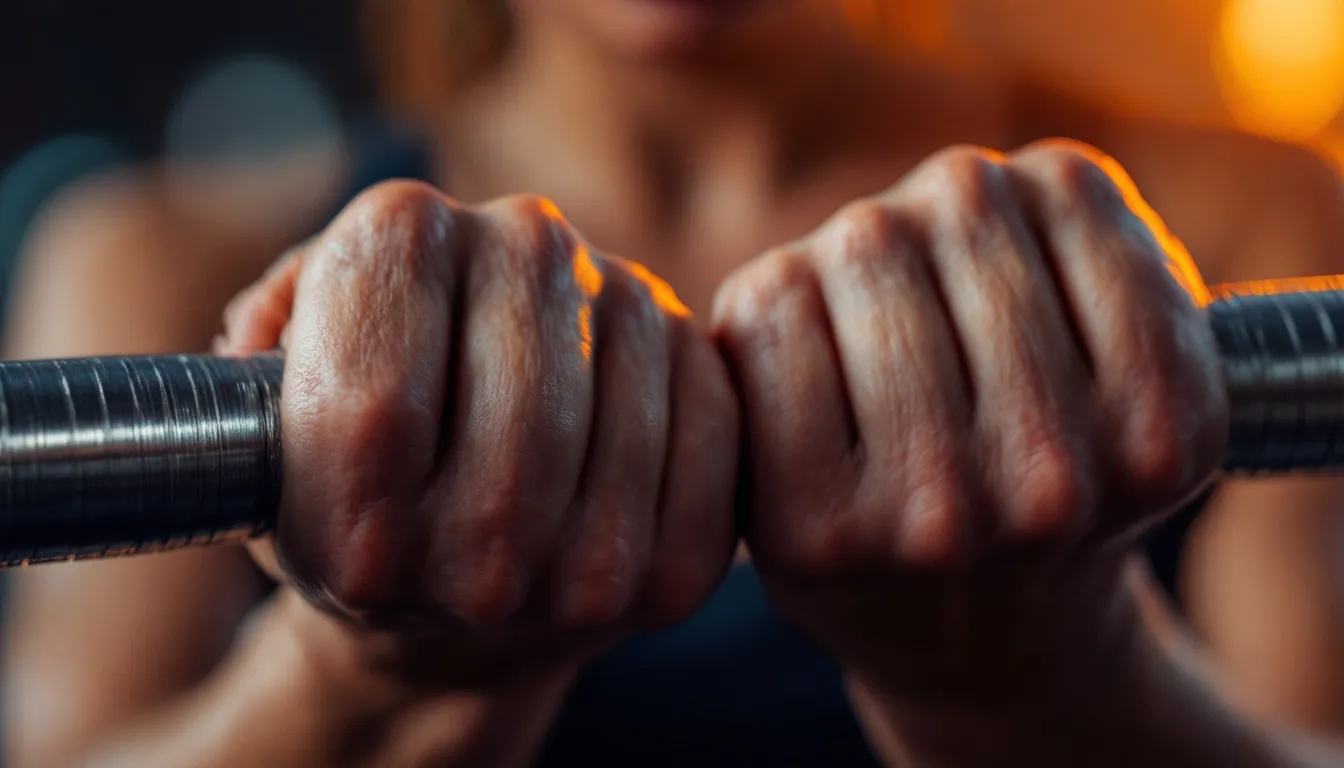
113, 68
90, 84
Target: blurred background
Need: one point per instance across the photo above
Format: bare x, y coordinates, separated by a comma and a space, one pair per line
91, 85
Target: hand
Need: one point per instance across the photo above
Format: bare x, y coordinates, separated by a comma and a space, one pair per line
962, 400
502, 450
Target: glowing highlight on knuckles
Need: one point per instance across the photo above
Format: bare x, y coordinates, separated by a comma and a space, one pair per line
586, 273
589, 279
661, 293
1179, 262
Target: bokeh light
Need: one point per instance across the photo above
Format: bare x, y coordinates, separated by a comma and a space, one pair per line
254, 143
924, 25
1280, 64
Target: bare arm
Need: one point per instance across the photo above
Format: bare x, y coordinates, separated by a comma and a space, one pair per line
1256, 678
138, 661
291, 694
1157, 704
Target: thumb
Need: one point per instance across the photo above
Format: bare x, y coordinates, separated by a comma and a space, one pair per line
257, 319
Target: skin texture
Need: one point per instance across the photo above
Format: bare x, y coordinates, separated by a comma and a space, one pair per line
962, 399
576, 486
144, 661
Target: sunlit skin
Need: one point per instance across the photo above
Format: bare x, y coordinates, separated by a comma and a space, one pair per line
587, 277
663, 296
798, 199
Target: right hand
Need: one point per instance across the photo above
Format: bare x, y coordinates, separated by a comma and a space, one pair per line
502, 451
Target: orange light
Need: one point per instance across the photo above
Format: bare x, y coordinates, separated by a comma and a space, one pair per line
663, 295
550, 210
1179, 262
586, 273
1280, 64
586, 331
1272, 287
589, 279
923, 25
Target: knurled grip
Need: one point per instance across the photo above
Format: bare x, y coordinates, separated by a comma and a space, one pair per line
102, 457
111, 456
1283, 359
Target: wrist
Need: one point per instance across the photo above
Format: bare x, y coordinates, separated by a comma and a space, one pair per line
1130, 702
1043, 696
395, 719
334, 661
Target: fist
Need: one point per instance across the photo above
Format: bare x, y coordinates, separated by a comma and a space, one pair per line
962, 399
500, 447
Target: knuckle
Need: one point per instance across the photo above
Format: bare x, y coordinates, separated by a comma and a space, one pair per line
602, 586
1051, 491
963, 196
1157, 459
395, 232
1173, 402
752, 295
405, 212
963, 178
390, 199
864, 234
535, 231
932, 523
348, 555
481, 570
863, 221
657, 293
646, 302
1077, 170
363, 572
487, 587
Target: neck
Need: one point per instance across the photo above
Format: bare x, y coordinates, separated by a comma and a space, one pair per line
764, 88
729, 125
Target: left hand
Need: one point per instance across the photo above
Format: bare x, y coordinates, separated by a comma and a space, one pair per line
963, 399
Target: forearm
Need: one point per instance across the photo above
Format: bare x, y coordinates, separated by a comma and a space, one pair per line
1155, 705
287, 697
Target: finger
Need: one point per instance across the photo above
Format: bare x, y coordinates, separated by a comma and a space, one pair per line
1029, 375
612, 524
695, 527
1149, 347
256, 319
770, 319
364, 387
904, 375
518, 431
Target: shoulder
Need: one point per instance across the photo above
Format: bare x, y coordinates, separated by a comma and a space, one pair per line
1248, 207
116, 232
131, 262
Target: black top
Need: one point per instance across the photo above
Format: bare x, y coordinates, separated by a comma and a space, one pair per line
735, 685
